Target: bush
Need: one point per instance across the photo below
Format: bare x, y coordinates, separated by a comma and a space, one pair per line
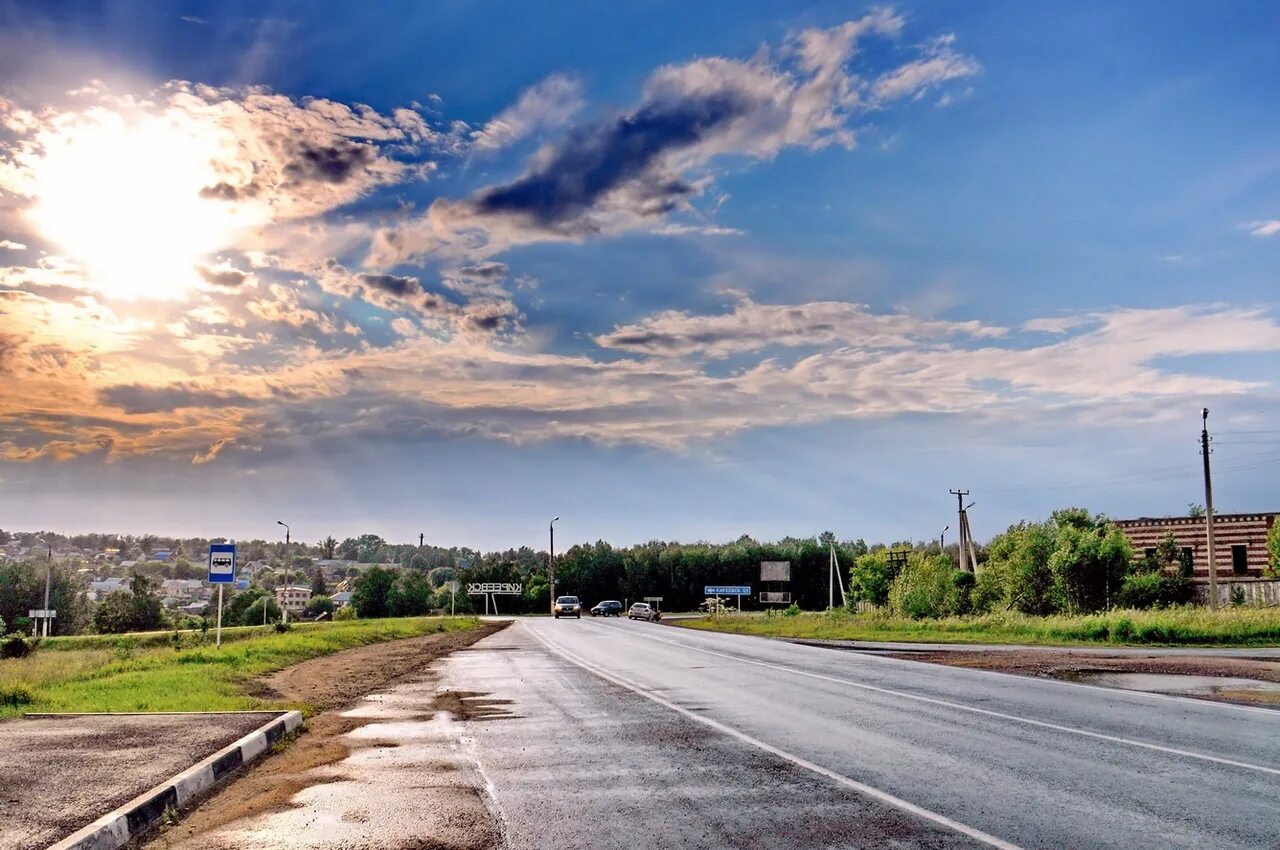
791, 610
1142, 590
928, 587
15, 646
1237, 597
345, 613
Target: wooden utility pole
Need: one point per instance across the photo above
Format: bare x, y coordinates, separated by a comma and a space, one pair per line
1208, 511
960, 494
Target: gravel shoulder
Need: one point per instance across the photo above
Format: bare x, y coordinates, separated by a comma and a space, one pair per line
1069, 664
57, 774
328, 685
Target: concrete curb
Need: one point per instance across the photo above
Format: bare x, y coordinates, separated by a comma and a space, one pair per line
114, 829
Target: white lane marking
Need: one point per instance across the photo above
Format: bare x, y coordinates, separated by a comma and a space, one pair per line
1043, 724
875, 793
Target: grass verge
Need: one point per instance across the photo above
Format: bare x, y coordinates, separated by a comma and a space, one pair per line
1167, 627
155, 674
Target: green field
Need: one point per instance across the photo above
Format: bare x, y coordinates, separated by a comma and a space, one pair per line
151, 673
1168, 627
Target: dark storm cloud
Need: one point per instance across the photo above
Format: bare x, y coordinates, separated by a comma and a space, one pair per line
333, 163
135, 399
226, 192
484, 271
389, 283
223, 276
596, 160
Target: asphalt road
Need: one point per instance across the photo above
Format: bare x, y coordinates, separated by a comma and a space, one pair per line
619, 734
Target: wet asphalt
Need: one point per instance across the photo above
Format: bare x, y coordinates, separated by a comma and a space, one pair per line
622, 733
617, 734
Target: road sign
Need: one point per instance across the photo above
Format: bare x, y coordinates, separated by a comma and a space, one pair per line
222, 563
727, 590
775, 571
454, 586
42, 613
477, 588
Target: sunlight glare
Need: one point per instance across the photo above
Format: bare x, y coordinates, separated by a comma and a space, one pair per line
122, 197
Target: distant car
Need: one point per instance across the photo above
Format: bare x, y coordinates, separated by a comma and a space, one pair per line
568, 606
644, 611
608, 608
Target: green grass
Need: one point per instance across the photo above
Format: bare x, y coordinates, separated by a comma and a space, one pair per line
148, 673
1168, 627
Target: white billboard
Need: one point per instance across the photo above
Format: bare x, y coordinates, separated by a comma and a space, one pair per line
775, 571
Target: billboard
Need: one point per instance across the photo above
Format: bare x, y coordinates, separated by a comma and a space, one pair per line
775, 571
775, 597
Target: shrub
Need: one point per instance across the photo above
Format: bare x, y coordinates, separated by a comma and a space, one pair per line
870, 578
345, 613
1142, 590
1237, 597
791, 610
927, 587
15, 646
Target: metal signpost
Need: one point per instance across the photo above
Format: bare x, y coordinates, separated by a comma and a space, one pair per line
454, 586
738, 590
654, 600
222, 570
490, 589
39, 614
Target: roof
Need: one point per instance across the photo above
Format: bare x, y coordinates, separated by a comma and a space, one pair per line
1196, 520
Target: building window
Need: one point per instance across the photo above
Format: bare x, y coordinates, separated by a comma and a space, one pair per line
1239, 560
1188, 559
1151, 553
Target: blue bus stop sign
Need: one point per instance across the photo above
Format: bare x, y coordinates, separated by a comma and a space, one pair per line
222, 563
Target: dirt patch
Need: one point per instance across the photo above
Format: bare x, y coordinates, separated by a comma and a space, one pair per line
328, 684
1064, 664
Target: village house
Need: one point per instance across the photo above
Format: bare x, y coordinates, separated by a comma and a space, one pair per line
293, 598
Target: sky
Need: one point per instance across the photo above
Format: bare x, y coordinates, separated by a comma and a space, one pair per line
666, 271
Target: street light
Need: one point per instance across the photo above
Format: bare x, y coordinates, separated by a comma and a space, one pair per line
48, 575
942, 538
551, 563
284, 609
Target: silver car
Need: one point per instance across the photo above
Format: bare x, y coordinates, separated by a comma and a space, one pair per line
568, 606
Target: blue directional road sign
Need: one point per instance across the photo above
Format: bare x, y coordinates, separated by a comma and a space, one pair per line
222, 563
727, 590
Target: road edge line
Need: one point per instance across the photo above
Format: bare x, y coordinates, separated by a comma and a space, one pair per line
839, 778
115, 828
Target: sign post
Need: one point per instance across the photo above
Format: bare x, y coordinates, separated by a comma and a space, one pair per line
222, 570
41, 614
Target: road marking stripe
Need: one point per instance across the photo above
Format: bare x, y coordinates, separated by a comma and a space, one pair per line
975, 710
876, 793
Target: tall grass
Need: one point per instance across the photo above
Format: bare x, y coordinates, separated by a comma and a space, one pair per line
143, 674
1186, 626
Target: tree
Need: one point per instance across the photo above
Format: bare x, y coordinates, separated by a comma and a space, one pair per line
317, 582
22, 588
410, 596
871, 577
318, 605
929, 586
1195, 511
1091, 560
233, 610
371, 597
135, 610
252, 615
328, 547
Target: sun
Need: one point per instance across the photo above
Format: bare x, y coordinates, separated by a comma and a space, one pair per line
121, 195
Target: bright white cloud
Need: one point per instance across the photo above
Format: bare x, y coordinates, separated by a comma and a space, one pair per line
1264, 228
547, 105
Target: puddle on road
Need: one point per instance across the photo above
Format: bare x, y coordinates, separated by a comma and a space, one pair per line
1179, 684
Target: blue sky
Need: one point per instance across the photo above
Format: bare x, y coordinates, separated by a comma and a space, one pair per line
667, 272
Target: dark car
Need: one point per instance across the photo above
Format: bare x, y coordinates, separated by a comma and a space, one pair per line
608, 608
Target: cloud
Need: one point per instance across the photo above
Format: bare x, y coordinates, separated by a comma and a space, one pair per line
12, 246
751, 327
549, 104
143, 399
225, 275
630, 170
1264, 228
390, 284
213, 451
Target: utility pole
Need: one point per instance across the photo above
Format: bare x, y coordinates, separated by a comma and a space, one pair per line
1208, 511
551, 566
284, 609
960, 494
421, 537
48, 576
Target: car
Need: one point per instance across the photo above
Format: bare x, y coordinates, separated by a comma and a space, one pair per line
567, 606
644, 611
608, 608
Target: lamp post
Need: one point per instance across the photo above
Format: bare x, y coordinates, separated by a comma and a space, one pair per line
942, 539
48, 575
284, 609
551, 564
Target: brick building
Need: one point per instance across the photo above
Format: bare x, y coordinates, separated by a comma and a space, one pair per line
1239, 542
